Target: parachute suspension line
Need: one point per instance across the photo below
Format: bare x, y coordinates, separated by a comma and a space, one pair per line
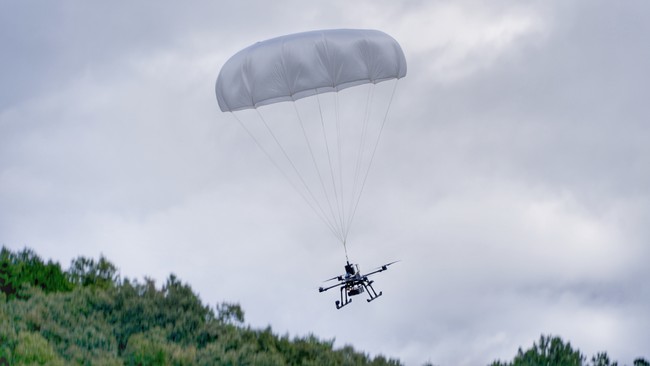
339, 146
329, 160
374, 150
284, 174
340, 163
356, 192
318, 172
323, 215
313, 203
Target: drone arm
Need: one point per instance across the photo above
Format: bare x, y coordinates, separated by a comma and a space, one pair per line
323, 289
383, 268
380, 269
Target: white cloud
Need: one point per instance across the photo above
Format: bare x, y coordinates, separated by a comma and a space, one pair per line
451, 41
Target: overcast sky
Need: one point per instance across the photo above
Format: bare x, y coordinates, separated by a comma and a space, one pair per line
512, 180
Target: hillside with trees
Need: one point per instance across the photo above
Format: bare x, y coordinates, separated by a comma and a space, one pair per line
89, 315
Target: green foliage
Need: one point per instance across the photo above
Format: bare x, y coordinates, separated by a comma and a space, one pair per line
153, 348
136, 308
24, 269
552, 351
230, 313
86, 272
68, 322
7, 336
33, 349
602, 359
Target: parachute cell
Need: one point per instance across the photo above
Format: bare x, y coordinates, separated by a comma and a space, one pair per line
303, 64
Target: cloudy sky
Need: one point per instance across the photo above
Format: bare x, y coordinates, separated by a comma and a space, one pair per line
512, 180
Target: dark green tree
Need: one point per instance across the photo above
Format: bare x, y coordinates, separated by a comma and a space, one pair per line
230, 313
88, 272
602, 359
24, 269
548, 351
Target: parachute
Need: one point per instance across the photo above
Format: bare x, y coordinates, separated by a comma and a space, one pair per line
316, 104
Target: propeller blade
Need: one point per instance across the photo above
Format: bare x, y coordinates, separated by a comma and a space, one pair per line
334, 278
381, 268
387, 264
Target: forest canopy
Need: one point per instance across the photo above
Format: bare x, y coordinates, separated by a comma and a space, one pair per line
89, 315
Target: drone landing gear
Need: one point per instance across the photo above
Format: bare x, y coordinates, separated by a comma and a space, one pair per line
371, 291
346, 292
344, 299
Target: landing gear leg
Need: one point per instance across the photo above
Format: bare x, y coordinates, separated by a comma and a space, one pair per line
344, 299
371, 291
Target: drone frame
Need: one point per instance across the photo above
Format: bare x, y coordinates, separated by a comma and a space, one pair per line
354, 284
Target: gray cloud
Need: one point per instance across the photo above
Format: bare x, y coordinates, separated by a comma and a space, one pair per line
512, 178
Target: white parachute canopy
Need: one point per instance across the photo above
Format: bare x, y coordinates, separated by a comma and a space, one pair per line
324, 139
303, 64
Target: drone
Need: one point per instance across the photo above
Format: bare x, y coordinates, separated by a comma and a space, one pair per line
354, 283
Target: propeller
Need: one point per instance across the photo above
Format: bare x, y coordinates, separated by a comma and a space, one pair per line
381, 268
385, 266
339, 278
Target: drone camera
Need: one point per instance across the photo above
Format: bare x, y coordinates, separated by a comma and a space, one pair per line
355, 291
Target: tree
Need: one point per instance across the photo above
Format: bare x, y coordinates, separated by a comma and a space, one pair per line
24, 269
33, 349
602, 359
86, 272
549, 351
152, 348
230, 313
